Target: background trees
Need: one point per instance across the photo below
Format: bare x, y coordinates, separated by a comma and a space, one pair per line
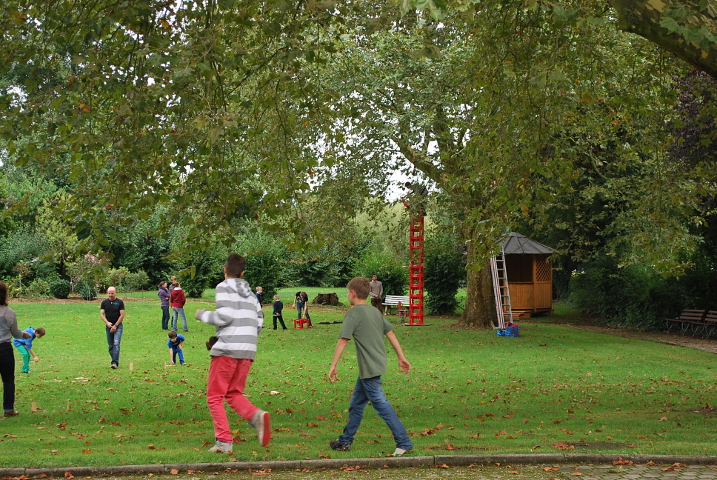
161, 133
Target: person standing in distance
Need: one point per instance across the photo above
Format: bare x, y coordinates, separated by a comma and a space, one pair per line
112, 313
376, 293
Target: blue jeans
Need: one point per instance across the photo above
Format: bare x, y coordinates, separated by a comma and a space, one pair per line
370, 390
179, 311
177, 351
165, 318
113, 342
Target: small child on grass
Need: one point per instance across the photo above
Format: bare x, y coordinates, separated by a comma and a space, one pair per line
175, 347
260, 295
278, 308
24, 346
238, 320
367, 326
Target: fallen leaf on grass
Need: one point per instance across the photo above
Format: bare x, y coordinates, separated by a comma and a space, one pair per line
442, 465
576, 474
620, 461
86, 450
69, 476
174, 471
551, 469
151, 447
9, 435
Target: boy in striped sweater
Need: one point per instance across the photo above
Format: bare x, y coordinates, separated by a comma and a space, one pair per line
238, 320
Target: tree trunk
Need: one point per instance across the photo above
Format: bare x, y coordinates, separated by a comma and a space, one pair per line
480, 306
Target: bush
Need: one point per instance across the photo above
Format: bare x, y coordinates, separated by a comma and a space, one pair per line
389, 270
38, 288
60, 288
113, 278
442, 275
87, 290
634, 296
135, 281
196, 279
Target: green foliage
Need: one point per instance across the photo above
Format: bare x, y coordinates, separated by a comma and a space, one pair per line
198, 276
38, 288
265, 256
636, 296
113, 278
86, 289
391, 272
133, 281
21, 245
443, 274
147, 245
60, 288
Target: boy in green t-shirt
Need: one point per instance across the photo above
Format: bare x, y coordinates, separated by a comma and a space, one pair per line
367, 326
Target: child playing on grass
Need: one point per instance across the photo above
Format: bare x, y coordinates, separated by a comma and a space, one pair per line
175, 347
24, 346
368, 326
260, 295
238, 320
278, 308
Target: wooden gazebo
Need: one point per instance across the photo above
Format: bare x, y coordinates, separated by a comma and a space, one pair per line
529, 276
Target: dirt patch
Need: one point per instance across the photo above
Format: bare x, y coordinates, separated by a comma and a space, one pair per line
705, 344
708, 411
442, 448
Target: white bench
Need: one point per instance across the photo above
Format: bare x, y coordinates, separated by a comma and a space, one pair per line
392, 301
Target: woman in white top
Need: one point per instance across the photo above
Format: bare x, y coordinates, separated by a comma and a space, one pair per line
8, 331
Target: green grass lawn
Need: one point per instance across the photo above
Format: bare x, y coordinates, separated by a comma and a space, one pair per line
469, 392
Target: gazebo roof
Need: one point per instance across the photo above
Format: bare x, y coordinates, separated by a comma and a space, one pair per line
516, 243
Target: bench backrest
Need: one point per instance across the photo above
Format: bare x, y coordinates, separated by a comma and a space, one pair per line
694, 315
711, 316
394, 299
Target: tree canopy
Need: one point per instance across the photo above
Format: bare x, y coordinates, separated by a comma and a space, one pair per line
292, 113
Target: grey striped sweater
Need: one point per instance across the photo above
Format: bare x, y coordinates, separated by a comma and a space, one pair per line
238, 319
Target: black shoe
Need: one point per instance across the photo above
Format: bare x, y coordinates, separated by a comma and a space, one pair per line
341, 447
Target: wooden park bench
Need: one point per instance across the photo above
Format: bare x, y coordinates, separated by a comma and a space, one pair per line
392, 301
688, 319
710, 322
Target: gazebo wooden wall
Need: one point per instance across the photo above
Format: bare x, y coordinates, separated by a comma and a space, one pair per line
530, 278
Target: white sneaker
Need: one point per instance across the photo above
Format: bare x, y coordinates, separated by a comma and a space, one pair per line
260, 421
399, 452
222, 447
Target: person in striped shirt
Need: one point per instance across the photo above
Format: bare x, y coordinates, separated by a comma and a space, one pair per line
238, 321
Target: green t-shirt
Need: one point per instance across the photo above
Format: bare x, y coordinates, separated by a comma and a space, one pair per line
367, 326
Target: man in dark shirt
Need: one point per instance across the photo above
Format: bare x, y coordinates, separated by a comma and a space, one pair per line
112, 313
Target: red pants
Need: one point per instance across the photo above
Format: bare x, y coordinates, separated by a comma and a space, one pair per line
227, 378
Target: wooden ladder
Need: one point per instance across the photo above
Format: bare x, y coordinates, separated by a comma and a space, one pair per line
500, 289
